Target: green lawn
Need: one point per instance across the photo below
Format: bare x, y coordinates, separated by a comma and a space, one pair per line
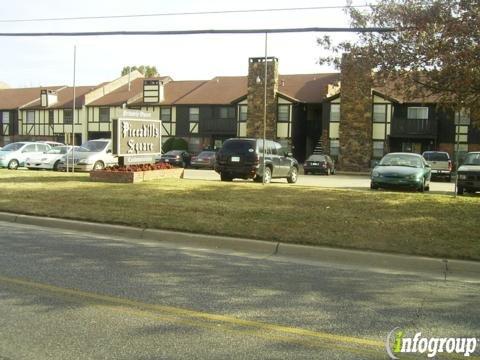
411, 223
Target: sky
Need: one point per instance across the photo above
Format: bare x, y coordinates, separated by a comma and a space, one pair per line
28, 61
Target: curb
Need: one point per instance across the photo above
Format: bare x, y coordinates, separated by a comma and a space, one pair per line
368, 259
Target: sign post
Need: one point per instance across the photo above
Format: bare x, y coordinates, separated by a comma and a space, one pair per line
136, 138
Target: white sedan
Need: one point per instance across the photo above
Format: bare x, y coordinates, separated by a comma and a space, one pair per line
50, 159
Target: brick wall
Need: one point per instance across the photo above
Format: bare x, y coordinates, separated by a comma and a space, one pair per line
355, 114
256, 95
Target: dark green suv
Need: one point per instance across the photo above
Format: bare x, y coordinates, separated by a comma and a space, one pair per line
243, 158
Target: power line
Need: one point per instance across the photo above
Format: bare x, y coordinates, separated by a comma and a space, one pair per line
196, 32
183, 13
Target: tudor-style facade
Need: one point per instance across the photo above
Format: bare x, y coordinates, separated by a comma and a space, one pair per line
392, 123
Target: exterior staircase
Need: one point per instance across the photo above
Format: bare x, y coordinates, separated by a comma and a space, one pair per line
319, 150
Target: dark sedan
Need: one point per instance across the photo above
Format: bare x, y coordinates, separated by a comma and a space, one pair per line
322, 164
179, 158
402, 170
204, 160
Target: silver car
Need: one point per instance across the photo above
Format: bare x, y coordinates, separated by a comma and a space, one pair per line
13, 155
50, 159
96, 156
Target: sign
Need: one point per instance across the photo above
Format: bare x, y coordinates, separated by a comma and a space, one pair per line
141, 159
136, 137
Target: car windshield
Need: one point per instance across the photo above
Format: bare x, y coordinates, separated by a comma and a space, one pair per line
401, 160
206, 154
95, 145
436, 156
316, 158
13, 147
239, 146
174, 152
472, 159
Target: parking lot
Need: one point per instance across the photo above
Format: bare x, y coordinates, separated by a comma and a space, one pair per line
333, 181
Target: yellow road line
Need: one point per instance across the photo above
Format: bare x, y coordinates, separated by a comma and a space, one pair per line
199, 315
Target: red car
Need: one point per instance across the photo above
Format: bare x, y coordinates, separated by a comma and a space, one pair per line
204, 160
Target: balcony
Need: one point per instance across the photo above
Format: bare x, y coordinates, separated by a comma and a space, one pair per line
416, 128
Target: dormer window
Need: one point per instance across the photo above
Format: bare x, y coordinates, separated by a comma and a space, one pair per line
152, 91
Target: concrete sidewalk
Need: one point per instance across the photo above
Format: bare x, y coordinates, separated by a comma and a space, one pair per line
442, 268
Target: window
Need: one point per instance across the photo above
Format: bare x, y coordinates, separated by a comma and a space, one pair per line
166, 114
194, 118
243, 112
416, 113
334, 147
194, 114
30, 117
283, 113
6, 118
462, 117
334, 112
29, 148
42, 148
379, 113
67, 116
104, 114
227, 113
50, 117
378, 149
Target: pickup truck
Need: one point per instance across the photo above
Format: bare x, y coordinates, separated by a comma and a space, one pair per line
440, 164
469, 174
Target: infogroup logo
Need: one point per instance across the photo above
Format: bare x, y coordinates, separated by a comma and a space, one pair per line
397, 343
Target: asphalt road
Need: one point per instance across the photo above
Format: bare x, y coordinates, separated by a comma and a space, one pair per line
334, 181
66, 295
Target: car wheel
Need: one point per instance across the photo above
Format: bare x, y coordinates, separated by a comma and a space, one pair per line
373, 186
267, 175
292, 179
224, 177
422, 187
55, 166
460, 190
13, 164
98, 166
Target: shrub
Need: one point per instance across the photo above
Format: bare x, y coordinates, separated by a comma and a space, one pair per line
175, 144
140, 167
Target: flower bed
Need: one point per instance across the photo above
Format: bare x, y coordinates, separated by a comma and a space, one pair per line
136, 173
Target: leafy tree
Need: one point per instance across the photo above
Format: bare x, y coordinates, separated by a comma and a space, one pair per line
433, 50
146, 70
175, 144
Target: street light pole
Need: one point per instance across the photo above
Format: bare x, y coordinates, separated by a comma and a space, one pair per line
265, 109
73, 120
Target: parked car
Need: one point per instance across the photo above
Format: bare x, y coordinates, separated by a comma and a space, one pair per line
440, 164
51, 143
97, 156
13, 155
402, 170
51, 159
469, 174
243, 158
204, 160
179, 158
322, 164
